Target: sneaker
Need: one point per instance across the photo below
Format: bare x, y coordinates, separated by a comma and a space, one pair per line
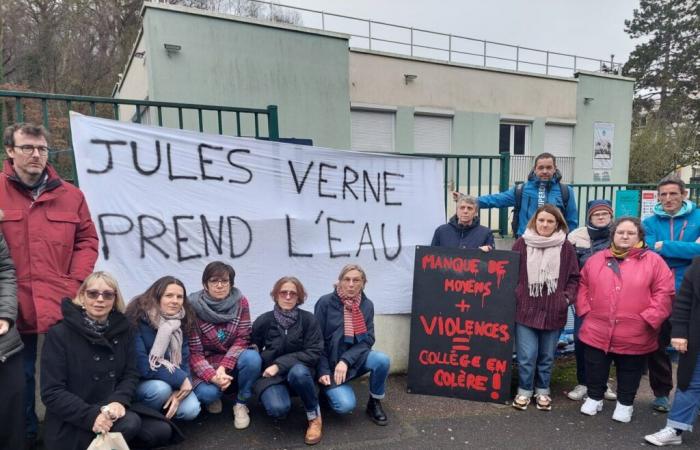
241, 419
666, 436
610, 394
577, 393
215, 407
520, 402
661, 404
623, 413
591, 407
543, 402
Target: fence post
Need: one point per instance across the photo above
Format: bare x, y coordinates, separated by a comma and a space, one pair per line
273, 123
503, 184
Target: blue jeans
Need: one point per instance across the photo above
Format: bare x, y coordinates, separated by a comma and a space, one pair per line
535, 350
30, 349
342, 398
686, 404
276, 398
247, 370
154, 394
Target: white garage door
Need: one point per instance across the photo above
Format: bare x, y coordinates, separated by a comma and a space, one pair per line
432, 134
558, 139
372, 130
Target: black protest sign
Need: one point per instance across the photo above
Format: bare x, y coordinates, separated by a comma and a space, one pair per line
462, 323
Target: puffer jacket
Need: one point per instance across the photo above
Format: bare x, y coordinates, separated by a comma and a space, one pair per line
679, 235
624, 302
529, 200
53, 243
454, 235
10, 342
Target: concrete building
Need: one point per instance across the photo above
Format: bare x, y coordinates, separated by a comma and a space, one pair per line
345, 97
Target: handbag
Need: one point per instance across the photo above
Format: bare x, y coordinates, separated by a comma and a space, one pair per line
108, 441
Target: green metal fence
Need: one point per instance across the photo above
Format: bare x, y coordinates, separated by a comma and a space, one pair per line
52, 110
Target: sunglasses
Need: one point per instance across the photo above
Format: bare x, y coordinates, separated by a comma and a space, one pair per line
94, 294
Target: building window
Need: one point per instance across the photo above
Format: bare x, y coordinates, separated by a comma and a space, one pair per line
559, 140
514, 138
372, 130
432, 134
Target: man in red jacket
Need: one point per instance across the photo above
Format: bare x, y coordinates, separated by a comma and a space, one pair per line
52, 241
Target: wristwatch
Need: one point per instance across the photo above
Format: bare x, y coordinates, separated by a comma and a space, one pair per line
107, 412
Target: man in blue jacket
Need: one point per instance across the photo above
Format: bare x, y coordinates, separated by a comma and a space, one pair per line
542, 186
674, 233
463, 230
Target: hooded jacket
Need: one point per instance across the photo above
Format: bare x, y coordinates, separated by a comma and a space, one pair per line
452, 234
10, 342
53, 243
624, 302
679, 234
552, 190
589, 240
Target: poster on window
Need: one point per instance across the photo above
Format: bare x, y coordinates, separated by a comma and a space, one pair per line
603, 135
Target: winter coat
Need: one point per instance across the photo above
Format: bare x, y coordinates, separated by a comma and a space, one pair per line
82, 371
218, 344
679, 235
585, 246
53, 243
10, 342
624, 302
549, 311
529, 200
145, 336
685, 322
329, 313
452, 234
302, 343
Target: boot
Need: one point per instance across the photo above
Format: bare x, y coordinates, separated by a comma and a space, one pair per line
376, 412
314, 432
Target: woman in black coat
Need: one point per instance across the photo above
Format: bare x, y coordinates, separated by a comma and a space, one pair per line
346, 317
290, 345
88, 372
685, 337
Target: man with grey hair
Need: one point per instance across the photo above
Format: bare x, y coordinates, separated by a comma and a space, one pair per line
674, 233
463, 229
52, 241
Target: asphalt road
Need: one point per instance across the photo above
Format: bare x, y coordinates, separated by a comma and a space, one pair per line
425, 422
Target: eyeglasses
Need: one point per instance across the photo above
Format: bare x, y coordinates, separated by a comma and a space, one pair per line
601, 214
216, 281
669, 194
288, 294
28, 149
94, 294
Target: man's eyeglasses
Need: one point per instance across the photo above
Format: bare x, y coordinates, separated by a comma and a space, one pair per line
601, 214
28, 149
94, 294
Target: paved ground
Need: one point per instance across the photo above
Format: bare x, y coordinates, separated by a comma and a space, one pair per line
424, 422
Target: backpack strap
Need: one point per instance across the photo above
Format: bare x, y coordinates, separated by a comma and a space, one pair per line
564, 196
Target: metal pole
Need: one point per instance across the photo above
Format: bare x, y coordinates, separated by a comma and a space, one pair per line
484, 53
449, 48
503, 183
272, 123
369, 23
517, 58
547, 66
411, 41
323, 21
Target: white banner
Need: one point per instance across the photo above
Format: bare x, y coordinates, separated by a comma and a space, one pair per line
167, 202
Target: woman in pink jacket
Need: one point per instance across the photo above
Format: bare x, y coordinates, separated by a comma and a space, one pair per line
624, 296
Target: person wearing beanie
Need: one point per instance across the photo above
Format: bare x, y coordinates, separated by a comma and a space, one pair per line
587, 240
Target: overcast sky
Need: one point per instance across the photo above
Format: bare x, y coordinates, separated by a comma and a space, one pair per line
591, 28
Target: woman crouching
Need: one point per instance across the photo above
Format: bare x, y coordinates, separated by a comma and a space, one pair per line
162, 320
290, 344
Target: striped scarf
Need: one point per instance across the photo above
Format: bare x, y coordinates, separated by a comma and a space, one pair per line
353, 320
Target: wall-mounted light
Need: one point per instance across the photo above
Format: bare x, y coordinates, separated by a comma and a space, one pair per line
587, 100
408, 78
172, 48
140, 54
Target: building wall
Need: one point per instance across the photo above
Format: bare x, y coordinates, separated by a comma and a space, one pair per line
232, 61
135, 83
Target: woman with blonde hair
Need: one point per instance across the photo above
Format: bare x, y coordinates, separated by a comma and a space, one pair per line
547, 284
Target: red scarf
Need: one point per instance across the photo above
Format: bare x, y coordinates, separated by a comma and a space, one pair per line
353, 320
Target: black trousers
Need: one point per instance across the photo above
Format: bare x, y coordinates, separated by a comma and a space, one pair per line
12, 402
628, 368
660, 371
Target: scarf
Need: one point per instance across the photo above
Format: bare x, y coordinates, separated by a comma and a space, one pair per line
622, 254
168, 338
216, 311
286, 318
353, 320
94, 325
543, 260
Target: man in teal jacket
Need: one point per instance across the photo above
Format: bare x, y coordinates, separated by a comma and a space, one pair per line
542, 186
674, 233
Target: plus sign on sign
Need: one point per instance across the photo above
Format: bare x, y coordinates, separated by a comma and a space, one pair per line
462, 323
